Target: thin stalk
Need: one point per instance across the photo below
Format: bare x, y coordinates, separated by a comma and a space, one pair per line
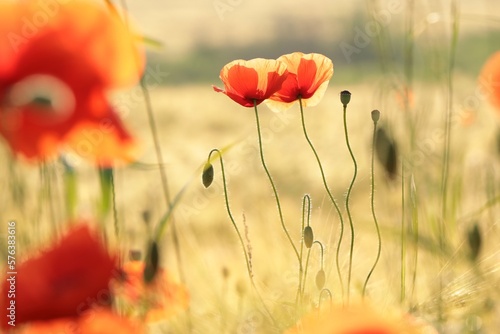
446, 149
272, 185
403, 237
347, 201
306, 212
415, 231
242, 243
113, 200
372, 195
332, 199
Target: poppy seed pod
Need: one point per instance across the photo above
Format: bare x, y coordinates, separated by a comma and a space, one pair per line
474, 241
208, 175
320, 279
345, 97
152, 262
308, 236
375, 115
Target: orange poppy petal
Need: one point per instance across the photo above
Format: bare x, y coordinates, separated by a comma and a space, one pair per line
308, 79
59, 326
489, 79
252, 81
102, 321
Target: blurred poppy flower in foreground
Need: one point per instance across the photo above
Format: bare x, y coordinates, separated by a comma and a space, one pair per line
308, 78
252, 81
54, 78
64, 280
96, 321
359, 319
162, 298
489, 79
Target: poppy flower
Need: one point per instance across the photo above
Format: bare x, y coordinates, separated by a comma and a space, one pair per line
162, 298
252, 81
58, 63
489, 79
96, 321
308, 78
64, 280
359, 319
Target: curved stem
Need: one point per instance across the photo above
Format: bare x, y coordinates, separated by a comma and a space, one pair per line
242, 243
332, 199
348, 197
272, 185
372, 195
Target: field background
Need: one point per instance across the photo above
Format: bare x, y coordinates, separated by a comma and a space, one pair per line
196, 41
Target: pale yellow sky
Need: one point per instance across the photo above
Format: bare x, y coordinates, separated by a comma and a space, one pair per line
182, 24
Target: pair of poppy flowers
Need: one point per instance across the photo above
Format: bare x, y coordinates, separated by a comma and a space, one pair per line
281, 82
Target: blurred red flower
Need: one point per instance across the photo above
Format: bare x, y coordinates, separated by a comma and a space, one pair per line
162, 298
489, 79
252, 81
58, 62
359, 319
309, 75
64, 280
97, 321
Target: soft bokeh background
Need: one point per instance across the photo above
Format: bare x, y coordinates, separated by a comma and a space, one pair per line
197, 38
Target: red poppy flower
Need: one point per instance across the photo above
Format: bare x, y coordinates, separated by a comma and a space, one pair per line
70, 277
163, 297
58, 62
252, 81
489, 79
97, 321
309, 75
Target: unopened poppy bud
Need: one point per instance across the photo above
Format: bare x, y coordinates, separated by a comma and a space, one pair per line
387, 152
320, 279
152, 261
345, 97
308, 236
208, 174
375, 115
475, 241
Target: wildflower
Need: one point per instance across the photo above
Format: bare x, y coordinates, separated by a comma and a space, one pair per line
359, 319
489, 79
252, 81
309, 75
64, 280
97, 321
162, 298
54, 80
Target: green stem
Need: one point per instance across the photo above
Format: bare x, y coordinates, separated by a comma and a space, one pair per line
272, 184
347, 201
242, 243
403, 238
332, 199
372, 195
113, 200
306, 212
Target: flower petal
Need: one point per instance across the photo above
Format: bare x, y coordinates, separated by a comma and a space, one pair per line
489, 79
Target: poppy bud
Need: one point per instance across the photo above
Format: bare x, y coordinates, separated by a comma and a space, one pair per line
345, 97
375, 115
386, 151
152, 261
320, 279
308, 236
208, 174
475, 241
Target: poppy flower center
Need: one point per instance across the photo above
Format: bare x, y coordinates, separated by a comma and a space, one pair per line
43, 93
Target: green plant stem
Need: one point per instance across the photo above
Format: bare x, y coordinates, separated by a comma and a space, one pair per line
305, 212
242, 243
332, 199
113, 200
273, 186
403, 238
372, 204
347, 201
